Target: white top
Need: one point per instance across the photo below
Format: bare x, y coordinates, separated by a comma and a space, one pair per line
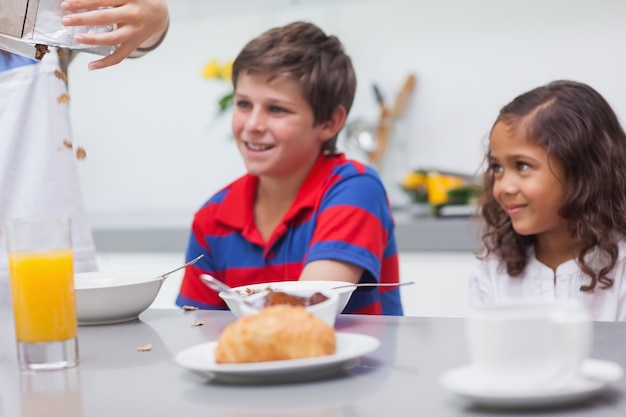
489, 283
38, 175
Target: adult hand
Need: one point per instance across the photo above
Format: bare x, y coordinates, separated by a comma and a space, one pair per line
140, 24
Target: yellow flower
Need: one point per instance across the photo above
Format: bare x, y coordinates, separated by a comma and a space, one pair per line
226, 71
212, 69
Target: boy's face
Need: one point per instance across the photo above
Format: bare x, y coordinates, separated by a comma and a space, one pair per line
526, 185
273, 126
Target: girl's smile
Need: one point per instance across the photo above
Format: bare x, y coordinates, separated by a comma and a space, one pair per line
515, 209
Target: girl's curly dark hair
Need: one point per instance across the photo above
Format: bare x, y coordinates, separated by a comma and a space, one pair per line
580, 132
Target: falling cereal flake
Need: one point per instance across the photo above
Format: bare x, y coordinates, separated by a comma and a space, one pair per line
63, 98
62, 53
197, 323
189, 308
60, 75
67, 144
145, 348
81, 153
40, 51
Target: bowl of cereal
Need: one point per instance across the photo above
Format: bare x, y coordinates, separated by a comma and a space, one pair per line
271, 293
321, 304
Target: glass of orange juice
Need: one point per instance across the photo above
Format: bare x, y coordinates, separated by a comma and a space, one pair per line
42, 290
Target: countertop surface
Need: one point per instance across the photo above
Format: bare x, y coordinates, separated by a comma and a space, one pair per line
412, 234
400, 377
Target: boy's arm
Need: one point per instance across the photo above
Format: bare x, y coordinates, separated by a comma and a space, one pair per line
329, 270
354, 233
141, 26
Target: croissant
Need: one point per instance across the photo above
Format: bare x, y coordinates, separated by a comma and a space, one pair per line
276, 333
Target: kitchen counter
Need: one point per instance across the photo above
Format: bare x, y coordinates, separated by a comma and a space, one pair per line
400, 378
436, 234
412, 234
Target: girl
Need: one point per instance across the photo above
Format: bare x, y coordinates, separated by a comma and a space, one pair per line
555, 202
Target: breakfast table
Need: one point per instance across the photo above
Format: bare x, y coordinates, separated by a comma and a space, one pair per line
129, 369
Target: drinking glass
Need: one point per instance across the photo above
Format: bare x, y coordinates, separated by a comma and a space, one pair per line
42, 290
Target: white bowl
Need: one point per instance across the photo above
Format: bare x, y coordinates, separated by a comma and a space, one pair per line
326, 310
343, 294
113, 297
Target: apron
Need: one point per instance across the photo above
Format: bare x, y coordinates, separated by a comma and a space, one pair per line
38, 175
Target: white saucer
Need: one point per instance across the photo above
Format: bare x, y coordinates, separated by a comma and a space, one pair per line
350, 346
594, 376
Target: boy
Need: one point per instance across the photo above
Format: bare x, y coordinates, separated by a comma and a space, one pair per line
302, 211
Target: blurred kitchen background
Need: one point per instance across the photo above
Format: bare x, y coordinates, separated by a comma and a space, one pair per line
156, 151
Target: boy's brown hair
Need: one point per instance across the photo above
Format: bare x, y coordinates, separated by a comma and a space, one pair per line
303, 52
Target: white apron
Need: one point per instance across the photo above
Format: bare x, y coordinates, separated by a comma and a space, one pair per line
38, 175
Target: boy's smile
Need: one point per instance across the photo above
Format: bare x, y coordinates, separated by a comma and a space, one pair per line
258, 148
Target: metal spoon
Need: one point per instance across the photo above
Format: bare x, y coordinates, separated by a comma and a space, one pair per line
217, 285
193, 261
376, 284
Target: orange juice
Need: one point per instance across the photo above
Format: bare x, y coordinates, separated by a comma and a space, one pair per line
44, 303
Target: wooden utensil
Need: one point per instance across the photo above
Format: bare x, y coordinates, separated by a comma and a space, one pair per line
382, 129
402, 100
387, 118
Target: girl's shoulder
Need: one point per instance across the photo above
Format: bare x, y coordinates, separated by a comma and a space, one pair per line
621, 245
491, 263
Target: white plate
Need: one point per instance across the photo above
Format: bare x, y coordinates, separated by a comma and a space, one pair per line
595, 375
350, 346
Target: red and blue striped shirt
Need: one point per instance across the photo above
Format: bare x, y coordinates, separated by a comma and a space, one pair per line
341, 213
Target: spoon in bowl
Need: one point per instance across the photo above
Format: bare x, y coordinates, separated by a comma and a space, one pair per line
193, 261
217, 285
376, 284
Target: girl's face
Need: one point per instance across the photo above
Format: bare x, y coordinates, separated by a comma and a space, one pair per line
528, 187
273, 126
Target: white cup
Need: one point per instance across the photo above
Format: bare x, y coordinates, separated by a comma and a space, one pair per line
528, 345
